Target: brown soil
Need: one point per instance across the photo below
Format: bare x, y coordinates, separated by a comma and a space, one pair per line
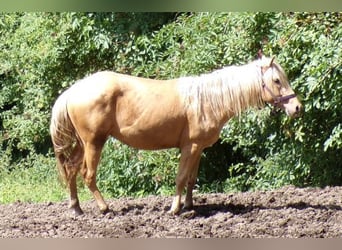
286, 212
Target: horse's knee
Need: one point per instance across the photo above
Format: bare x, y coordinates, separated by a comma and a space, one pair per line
83, 172
191, 182
90, 180
87, 174
181, 178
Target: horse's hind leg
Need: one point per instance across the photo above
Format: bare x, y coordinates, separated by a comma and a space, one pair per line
92, 153
71, 174
74, 204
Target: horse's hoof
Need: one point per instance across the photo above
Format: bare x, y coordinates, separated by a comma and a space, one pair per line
189, 214
188, 207
174, 211
76, 211
105, 211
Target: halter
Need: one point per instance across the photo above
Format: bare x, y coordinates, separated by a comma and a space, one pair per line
276, 99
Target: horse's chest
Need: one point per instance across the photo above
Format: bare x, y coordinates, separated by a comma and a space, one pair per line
205, 132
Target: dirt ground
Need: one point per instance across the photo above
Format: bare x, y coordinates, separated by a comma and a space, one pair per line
286, 212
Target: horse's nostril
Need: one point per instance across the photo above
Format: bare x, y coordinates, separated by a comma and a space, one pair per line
297, 109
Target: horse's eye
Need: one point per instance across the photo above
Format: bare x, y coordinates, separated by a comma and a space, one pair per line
277, 81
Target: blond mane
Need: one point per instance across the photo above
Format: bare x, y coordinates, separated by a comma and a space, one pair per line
227, 91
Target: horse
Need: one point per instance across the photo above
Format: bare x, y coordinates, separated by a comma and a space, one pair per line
149, 114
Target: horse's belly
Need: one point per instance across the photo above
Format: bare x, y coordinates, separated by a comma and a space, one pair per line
148, 141
160, 136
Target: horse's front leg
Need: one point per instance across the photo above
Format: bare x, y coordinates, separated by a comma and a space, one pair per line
188, 204
190, 156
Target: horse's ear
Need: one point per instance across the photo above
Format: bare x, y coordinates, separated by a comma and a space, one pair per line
271, 62
260, 54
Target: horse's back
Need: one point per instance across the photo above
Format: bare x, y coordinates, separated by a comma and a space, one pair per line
141, 112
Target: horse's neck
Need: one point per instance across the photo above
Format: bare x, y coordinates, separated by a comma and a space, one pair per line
223, 93
236, 89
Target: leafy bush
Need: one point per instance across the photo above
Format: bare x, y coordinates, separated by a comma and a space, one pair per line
301, 152
41, 54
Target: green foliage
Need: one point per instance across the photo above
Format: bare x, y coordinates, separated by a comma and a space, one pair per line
305, 151
41, 54
124, 171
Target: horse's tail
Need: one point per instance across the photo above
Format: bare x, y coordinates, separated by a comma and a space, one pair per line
64, 137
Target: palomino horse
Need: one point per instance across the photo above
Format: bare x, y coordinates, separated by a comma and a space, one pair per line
187, 113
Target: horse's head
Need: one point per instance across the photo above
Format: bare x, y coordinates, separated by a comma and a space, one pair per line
276, 88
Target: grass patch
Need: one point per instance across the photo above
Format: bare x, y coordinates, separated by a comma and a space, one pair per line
39, 183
